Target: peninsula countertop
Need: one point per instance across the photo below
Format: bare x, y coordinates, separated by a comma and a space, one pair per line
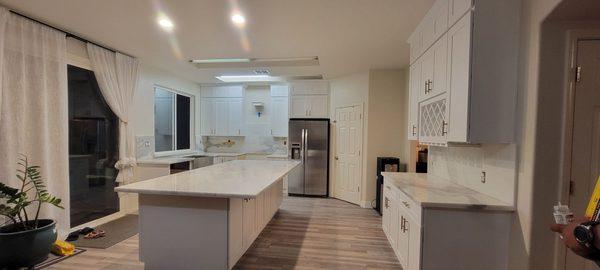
234, 179
431, 191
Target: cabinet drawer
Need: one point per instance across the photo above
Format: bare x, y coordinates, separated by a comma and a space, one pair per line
407, 204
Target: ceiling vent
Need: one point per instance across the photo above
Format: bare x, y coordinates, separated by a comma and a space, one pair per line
261, 72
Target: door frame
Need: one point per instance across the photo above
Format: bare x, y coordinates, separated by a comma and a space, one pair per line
573, 37
334, 151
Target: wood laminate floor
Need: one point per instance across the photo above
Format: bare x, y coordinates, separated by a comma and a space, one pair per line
306, 233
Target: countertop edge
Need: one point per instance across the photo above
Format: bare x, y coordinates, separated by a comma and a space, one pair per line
457, 206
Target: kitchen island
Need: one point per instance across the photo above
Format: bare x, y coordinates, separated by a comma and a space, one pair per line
208, 217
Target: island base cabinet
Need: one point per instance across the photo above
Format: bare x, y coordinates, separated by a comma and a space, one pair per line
185, 232
181, 232
248, 217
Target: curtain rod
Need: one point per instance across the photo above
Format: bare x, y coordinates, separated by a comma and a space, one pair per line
68, 34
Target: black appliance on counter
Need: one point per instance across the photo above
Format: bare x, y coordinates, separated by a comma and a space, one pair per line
384, 164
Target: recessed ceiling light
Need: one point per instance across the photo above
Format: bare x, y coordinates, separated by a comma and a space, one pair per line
248, 78
166, 23
238, 19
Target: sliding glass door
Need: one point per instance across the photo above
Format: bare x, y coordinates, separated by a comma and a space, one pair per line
93, 149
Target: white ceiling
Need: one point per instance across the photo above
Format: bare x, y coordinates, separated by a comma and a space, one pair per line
347, 35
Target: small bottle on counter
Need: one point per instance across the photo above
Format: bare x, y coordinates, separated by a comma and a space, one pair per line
562, 214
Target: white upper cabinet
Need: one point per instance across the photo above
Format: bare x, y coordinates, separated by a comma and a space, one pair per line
459, 39
318, 106
431, 28
279, 110
279, 116
235, 117
223, 91
207, 119
222, 110
457, 9
413, 100
309, 87
309, 99
470, 70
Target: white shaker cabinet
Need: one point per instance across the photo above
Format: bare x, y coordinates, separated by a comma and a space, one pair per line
415, 234
434, 70
279, 116
457, 9
309, 106
222, 116
309, 99
413, 100
467, 82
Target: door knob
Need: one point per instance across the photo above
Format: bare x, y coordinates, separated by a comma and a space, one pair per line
336, 158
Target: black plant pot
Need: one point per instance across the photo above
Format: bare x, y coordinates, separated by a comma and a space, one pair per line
26, 248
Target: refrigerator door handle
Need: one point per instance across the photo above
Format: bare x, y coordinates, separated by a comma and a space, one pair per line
302, 147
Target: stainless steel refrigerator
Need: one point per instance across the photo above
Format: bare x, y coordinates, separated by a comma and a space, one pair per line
309, 143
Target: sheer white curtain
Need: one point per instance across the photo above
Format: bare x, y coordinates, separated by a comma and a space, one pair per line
3, 19
34, 112
117, 76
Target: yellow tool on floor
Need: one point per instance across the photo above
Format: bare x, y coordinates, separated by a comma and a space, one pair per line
62, 248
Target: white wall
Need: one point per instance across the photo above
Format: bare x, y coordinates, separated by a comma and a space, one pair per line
383, 94
387, 122
347, 91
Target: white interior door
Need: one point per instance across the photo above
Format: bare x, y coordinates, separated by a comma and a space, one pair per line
348, 139
585, 156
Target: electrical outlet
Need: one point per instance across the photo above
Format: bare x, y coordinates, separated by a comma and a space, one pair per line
147, 144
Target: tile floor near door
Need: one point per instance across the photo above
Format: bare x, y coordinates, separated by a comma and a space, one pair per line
306, 233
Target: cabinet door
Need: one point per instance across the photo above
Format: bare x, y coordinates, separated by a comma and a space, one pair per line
318, 106
427, 69
459, 65
433, 125
413, 230
385, 211
235, 230
457, 9
260, 208
279, 116
413, 99
415, 41
221, 117
207, 117
235, 116
248, 226
403, 251
439, 13
394, 222
299, 106
434, 70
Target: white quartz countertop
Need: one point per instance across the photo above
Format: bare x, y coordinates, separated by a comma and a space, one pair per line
167, 160
431, 191
277, 156
234, 179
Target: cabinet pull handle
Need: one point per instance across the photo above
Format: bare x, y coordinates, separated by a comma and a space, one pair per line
402, 223
406, 204
426, 86
444, 131
386, 203
404, 227
414, 133
429, 87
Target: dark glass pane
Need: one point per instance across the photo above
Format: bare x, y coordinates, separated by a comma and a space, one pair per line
93, 149
183, 122
163, 120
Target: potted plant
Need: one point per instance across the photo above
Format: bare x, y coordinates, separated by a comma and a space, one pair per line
26, 240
